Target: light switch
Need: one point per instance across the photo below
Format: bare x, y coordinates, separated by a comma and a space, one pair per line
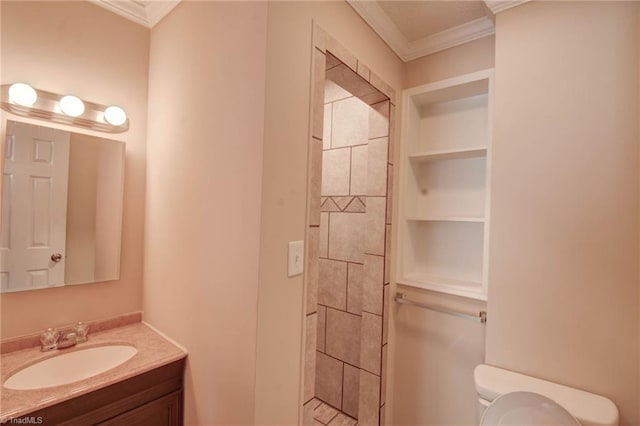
296, 258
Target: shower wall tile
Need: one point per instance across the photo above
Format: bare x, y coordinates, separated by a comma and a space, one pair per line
332, 61
350, 123
350, 81
383, 376
329, 379
311, 328
313, 242
329, 205
392, 131
379, 120
322, 322
351, 390
374, 98
315, 181
387, 257
318, 93
336, 49
364, 71
346, 236
369, 399
386, 293
354, 288
332, 284
327, 119
342, 202
389, 194
377, 167
324, 235
359, 164
335, 172
357, 205
333, 92
374, 237
371, 338
382, 86
373, 274
343, 336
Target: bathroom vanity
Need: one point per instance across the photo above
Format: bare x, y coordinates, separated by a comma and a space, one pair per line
147, 389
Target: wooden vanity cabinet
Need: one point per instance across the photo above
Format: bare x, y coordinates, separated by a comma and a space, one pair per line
154, 398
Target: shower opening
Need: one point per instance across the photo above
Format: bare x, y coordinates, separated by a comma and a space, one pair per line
351, 254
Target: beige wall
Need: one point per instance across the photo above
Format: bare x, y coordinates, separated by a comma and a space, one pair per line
79, 48
206, 108
80, 246
463, 59
433, 355
563, 294
280, 310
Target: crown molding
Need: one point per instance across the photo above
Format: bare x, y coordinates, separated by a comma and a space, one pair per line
377, 19
497, 6
144, 13
469, 31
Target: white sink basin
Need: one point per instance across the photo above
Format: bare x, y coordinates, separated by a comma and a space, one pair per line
70, 367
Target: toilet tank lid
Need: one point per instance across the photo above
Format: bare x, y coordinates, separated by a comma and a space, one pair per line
588, 408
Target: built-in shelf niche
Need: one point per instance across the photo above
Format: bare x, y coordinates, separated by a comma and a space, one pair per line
444, 200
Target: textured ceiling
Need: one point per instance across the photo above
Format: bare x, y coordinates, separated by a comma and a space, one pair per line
418, 19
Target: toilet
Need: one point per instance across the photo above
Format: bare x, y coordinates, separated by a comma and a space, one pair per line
508, 398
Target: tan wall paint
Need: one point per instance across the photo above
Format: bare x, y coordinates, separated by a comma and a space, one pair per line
280, 310
433, 354
206, 108
76, 47
563, 293
469, 57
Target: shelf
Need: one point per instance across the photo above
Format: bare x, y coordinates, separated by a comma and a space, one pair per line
472, 289
455, 154
445, 219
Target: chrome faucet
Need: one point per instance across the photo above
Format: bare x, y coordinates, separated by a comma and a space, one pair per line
68, 338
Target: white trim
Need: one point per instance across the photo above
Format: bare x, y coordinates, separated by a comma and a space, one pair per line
451, 37
377, 19
498, 6
156, 10
147, 14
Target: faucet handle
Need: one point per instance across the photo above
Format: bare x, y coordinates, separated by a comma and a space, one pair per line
49, 340
82, 330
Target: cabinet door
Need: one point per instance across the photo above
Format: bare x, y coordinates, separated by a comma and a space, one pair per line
165, 411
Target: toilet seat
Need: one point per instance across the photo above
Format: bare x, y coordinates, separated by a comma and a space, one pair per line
526, 409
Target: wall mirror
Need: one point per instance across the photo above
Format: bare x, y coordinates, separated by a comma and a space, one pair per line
62, 195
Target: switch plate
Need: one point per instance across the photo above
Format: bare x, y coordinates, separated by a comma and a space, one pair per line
296, 258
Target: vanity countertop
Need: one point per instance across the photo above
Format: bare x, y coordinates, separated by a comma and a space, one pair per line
153, 351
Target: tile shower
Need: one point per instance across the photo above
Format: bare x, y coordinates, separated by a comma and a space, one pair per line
348, 262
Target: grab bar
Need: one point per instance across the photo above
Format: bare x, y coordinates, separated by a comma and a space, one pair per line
402, 299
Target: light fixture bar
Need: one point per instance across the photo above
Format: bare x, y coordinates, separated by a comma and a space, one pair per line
47, 107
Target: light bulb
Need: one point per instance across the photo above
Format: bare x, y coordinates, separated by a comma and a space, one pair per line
115, 115
22, 94
72, 106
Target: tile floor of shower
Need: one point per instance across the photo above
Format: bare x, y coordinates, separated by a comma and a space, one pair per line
324, 414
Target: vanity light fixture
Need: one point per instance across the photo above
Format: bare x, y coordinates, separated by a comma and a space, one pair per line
72, 106
22, 94
21, 99
115, 115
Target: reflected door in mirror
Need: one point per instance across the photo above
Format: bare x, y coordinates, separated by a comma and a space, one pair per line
62, 195
34, 198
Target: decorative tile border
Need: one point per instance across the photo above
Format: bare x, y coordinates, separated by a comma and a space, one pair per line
347, 204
